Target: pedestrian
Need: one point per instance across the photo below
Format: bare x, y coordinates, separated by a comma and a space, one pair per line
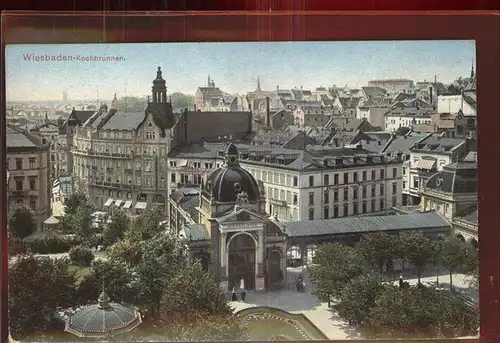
234, 297
243, 294
401, 283
299, 284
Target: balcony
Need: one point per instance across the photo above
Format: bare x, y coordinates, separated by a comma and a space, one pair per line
18, 194
111, 185
276, 202
33, 193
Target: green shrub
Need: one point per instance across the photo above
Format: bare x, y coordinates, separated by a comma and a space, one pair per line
16, 246
49, 244
81, 256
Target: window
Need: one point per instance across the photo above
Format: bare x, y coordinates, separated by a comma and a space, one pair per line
394, 172
326, 197
355, 177
364, 207
138, 181
382, 206
346, 210
355, 193
373, 174
295, 181
311, 198
335, 212
311, 181
335, 195
355, 208
364, 191
364, 175
326, 212
311, 214
346, 193
32, 183
373, 205
374, 187
19, 184
346, 178
415, 182
19, 163
33, 204
382, 174
394, 201
404, 170
336, 179
326, 180
32, 162
295, 199
394, 187
404, 184
172, 177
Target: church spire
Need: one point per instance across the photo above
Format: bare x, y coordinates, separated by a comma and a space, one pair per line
472, 71
258, 83
208, 82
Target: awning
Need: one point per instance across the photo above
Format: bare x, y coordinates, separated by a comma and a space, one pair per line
183, 163
118, 202
127, 204
56, 190
51, 221
426, 164
141, 205
108, 202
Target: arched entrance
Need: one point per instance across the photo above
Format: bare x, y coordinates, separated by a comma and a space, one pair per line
310, 252
294, 255
274, 275
241, 261
473, 242
460, 237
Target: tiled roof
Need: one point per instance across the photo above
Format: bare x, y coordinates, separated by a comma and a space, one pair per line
195, 232
17, 138
349, 102
404, 111
365, 224
458, 177
402, 144
374, 92
209, 92
124, 121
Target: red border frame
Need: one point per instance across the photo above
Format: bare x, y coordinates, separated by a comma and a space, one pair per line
74, 27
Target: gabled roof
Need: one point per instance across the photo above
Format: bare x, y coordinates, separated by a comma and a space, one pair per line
374, 92
17, 138
209, 92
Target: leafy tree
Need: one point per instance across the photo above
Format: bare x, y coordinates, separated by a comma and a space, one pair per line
81, 256
358, 297
74, 202
452, 254
181, 101
417, 249
21, 222
149, 223
376, 249
457, 318
113, 276
115, 228
131, 104
161, 257
334, 265
127, 250
402, 131
37, 288
471, 261
194, 290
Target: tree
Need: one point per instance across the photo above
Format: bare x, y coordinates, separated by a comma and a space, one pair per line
376, 249
457, 318
162, 257
194, 290
182, 101
403, 131
74, 202
112, 276
417, 249
334, 265
131, 104
115, 228
21, 222
358, 297
149, 223
37, 288
452, 254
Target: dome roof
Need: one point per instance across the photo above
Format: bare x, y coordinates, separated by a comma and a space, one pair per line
103, 319
458, 177
225, 183
159, 81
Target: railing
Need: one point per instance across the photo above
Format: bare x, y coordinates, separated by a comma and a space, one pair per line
18, 194
277, 202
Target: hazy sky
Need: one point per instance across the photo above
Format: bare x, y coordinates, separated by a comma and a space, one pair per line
234, 66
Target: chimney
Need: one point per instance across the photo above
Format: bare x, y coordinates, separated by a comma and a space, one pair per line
431, 95
268, 113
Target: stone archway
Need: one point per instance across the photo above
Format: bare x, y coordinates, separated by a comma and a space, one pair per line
460, 237
274, 274
474, 243
241, 250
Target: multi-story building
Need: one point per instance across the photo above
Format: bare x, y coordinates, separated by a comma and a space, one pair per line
29, 172
429, 156
122, 157
407, 117
311, 116
206, 95
303, 185
453, 124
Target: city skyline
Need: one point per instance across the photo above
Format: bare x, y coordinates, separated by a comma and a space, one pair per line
234, 67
